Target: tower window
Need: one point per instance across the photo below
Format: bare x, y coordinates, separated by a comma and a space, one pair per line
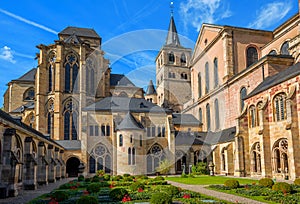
183, 58
171, 58
216, 75
285, 49
208, 120
243, 94
120, 140
206, 77
252, 56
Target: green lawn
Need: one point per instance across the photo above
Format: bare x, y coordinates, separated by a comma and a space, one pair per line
208, 180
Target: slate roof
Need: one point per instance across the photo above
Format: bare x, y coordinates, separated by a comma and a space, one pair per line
125, 104
150, 89
29, 105
184, 119
222, 136
29, 76
172, 37
189, 138
276, 79
18, 122
70, 144
129, 123
120, 80
82, 32
73, 39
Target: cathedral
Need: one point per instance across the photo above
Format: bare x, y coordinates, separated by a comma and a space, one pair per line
231, 102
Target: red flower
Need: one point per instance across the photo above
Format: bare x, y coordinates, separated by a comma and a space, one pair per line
126, 198
86, 193
53, 201
140, 190
73, 187
186, 196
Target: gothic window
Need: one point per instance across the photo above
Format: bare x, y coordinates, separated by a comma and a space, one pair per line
183, 75
279, 106
200, 115
158, 131
273, 52
163, 131
141, 141
154, 156
129, 156
51, 65
91, 130
199, 85
87, 82
103, 157
173, 75
243, 94
70, 121
153, 131
217, 114
50, 125
171, 58
252, 56
208, 121
29, 94
107, 130
183, 58
170, 75
92, 165
120, 140
200, 156
285, 48
206, 77
96, 130
252, 115
133, 156
102, 130
149, 132
256, 158
223, 159
216, 76
131, 139
90, 77
71, 73
280, 156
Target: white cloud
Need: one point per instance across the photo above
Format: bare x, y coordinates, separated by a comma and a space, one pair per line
196, 12
7, 54
28, 21
270, 14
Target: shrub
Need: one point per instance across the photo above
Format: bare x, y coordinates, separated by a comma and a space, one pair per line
164, 167
128, 178
118, 193
183, 175
126, 175
137, 185
100, 172
117, 178
160, 198
282, 186
106, 177
87, 200
144, 177
87, 179
60, 195
232, 184
95, 179
297, 182
94, 187
200, 168
159, 178
157, 183
266, 182
81, 178
172, 190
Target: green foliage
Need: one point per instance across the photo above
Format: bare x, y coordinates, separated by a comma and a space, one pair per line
172, 190
232, 184
123, 183
137, 185
144, 177
145, 195
100, 172
126, 175
117, 178
87, 200
118, 193
183, 175
160, 198
106, 177
164, 167
95, 179
159, 178
200, 169
81, 178
128, 178
297, 182
94, 187
157, 183
60, 195
87, 179
283, 187
266, 182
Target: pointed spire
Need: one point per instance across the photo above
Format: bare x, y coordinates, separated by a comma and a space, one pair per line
172, 37
150, 89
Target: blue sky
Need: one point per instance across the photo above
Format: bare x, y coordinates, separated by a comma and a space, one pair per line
132, 31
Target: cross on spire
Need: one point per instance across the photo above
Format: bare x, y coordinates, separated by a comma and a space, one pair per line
172, 8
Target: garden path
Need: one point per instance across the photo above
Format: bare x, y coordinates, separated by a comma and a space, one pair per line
28, 195
219, 195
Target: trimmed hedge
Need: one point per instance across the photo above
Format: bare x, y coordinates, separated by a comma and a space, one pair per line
118, 193
283, 187
137, 185
297, 182
87, 200
266, 182
232, 184
160, 198
60, 195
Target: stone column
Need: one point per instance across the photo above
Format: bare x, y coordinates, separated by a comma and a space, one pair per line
52, 164
58, 164
42, 165
228, 55
63, 165
30, 166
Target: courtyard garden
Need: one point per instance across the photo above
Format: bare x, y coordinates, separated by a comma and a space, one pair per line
104, 188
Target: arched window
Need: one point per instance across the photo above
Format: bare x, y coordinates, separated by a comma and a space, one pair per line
129, 156
29, 94
70, 121
183, 75
273, 52
87, 82
216, 75
153, 131
92, 165
102, 130
200, 116
280, 156
217, 114
154, 156
171, 58
199, 85
285, 48
133, 156
50, 125
252, 115
252, 56
141, 140
131, 139
279, 106
183, 58
163, 131
208, 120
206, 77
120, 140
51, 61
256, 158
103, 157
173, 75
223, 159
71, 73
92, 81
243, 94
158, 131
123, 94
107, 130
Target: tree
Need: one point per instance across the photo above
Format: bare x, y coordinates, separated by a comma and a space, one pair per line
164, 167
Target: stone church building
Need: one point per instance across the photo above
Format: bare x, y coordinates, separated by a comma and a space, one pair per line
232, 102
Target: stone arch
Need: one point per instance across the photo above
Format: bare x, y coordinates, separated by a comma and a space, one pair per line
72, 166
155, 155
100, 159
29, 94
181, 161
280, 156
256, 158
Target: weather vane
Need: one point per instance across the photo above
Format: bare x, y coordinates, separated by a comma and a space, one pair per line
172, 7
